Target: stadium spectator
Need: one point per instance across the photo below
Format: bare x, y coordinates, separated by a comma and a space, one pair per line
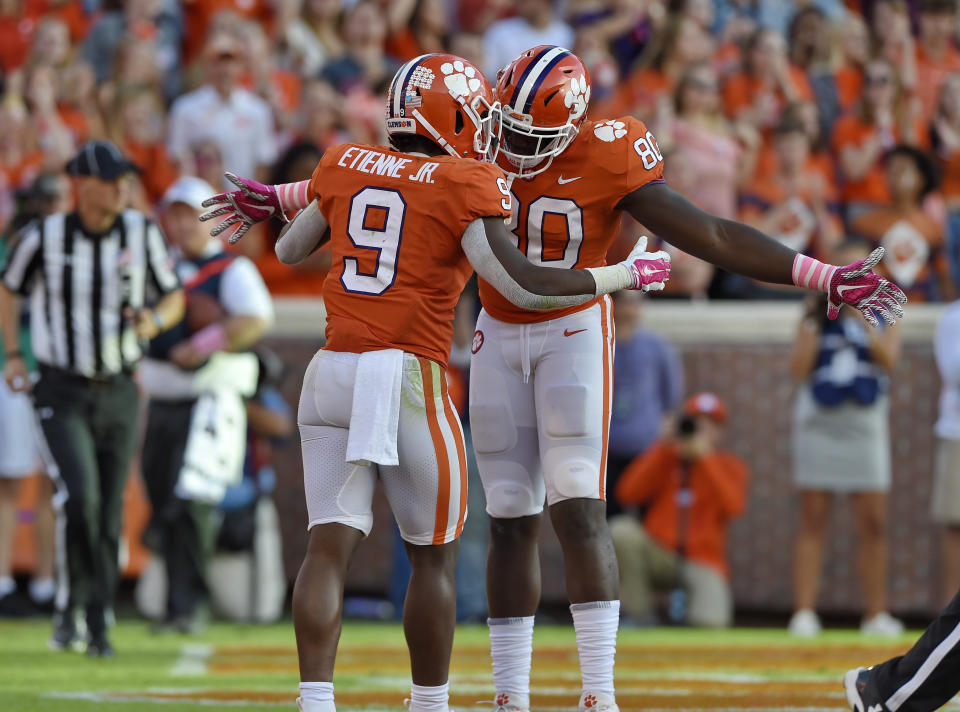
363, 67
946, 489
146, 21
313, 37
196, 375
692, 490
648, 92
854, 46
945, 133
536, 23
624, 27
915, 256
722, 156
201, 17
841, 444
936, 55
648, 386
860, 139
416, 27
767, 82
791, 200
264, 76
238, 120
137, 128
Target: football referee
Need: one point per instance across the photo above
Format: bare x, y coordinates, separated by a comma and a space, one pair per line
90, 276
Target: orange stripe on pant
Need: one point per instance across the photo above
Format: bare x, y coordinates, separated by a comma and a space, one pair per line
440, 447
454, 424
607, 387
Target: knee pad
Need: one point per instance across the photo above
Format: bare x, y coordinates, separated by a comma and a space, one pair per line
572, 472
567, 411
492, 427
509, 499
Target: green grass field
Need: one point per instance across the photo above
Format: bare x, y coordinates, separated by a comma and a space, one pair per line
255, 668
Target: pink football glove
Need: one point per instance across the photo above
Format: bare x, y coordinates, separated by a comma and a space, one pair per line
650, 270
862, 288
253, 203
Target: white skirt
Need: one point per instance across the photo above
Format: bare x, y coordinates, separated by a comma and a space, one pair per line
844, 448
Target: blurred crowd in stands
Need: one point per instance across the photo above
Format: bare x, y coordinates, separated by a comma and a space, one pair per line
781, 114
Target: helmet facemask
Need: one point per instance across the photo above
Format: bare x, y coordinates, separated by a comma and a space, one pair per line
531, 149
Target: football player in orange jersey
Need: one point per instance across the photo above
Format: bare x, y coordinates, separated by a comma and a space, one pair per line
407, 227
541, 382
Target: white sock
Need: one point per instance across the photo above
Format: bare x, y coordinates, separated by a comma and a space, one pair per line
317, 697
430, 699
596, 626
7, 585
42, 589
511, 646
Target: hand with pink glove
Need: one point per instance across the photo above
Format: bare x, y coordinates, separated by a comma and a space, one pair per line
854, 284
649, 270
253, 203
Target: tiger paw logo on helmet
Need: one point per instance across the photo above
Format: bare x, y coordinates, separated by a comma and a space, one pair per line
610, 130
578, 97
460, 79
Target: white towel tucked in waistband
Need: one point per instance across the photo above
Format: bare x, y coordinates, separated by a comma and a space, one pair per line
376, 408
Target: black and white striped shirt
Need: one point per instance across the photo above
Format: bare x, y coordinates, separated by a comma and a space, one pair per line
80, 283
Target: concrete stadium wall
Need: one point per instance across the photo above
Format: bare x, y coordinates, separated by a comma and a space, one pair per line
740, 351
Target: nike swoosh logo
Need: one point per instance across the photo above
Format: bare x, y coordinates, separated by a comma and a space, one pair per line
562, 181
846, 288
567, 332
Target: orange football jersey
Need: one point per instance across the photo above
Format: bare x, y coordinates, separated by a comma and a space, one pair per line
395, 226
566, 217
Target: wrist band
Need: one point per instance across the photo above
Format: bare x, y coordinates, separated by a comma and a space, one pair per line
158, 319
209, 339
611, 278
812, 274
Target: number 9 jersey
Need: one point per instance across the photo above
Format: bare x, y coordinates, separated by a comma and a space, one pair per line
396, 222
566, 216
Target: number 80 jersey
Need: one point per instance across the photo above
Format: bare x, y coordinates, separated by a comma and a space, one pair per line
396, 221
566, 217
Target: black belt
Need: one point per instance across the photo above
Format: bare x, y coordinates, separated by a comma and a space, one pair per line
78, 379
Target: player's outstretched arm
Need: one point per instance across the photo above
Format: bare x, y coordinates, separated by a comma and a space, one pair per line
490, 249
303, 236
739, 248
253, 203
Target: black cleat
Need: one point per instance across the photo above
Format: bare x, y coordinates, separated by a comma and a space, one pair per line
100, 647
65, 634
861, 696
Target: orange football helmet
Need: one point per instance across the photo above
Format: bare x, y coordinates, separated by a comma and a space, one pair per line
543, 96
446, 99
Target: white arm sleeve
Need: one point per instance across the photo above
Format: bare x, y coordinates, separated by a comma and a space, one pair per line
303, 235
477, 249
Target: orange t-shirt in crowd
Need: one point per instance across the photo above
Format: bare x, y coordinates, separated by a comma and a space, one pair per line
914, 257
741, 90
16, 35
930, 76
718, 488
798, 227
567, 216
285, 83
403, 45
851, 130
396, 221
849, 81
158, 171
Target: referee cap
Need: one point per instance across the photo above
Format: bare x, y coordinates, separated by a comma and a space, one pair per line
100, 159
190, 190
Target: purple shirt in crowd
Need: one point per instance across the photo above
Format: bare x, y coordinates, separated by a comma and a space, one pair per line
647, 383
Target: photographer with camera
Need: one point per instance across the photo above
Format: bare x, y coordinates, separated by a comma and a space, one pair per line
690, 490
